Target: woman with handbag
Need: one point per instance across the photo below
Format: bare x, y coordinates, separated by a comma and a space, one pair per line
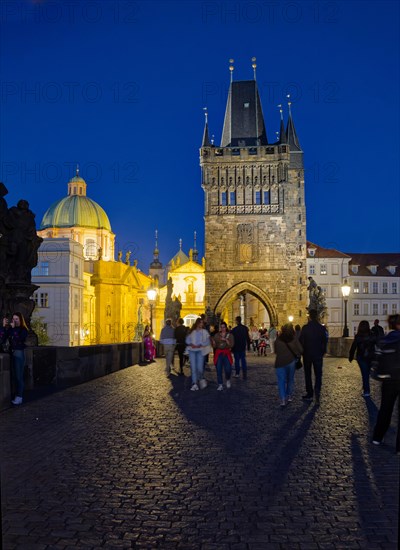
222, 343
288, 350
198, 345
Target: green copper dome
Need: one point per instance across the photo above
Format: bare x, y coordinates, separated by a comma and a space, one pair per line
75, 210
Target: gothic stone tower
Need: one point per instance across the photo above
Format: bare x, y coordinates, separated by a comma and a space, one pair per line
255, 217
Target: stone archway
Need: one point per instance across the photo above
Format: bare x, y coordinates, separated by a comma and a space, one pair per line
246, 287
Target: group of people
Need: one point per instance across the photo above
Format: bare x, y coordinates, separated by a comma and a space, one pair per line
262, 338
13, 334
367, 342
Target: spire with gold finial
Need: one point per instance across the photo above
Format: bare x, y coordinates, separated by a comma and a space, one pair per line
282, 132
231, 67
156, 264
77, 170
206, 139
254, 66
291, 136
180, 244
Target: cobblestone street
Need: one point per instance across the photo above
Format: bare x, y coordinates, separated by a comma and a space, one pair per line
136, 460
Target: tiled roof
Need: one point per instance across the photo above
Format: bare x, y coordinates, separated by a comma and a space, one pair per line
321, 252
381, 260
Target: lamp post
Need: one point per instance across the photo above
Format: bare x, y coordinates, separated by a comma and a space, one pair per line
290, 318
345, 293
151, 296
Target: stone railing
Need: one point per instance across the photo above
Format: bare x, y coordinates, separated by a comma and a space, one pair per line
51, 367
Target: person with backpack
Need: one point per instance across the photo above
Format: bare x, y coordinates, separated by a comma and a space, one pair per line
390, 349
363, 348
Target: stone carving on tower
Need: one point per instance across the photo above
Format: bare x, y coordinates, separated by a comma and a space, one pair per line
255, 219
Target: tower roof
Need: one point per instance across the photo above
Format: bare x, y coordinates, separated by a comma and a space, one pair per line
291, 135
244, 121
206, 137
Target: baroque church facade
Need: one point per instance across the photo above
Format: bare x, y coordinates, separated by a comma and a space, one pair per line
255, 216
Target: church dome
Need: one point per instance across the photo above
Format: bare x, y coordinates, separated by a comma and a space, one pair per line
76, 211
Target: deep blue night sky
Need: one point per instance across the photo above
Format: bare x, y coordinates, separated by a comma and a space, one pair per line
119, 87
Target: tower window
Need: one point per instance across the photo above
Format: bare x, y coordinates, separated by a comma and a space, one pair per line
223, 198
232, 197
266, 197
257, 197
246, 105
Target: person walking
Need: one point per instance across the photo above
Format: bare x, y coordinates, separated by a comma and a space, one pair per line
272, 337
390, 386
222, 343
149, 349
363, 348
241, 343
17, 334
288, 349
254, 336
180, 334
377, 331
314, 340
167, 339
198, 344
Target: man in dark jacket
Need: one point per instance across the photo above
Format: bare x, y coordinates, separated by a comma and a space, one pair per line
242, 342
180, 337
313, 338
377, 331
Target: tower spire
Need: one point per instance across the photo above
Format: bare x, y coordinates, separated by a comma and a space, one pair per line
156, 251
291, 136
282, 132
77, 170
206, 138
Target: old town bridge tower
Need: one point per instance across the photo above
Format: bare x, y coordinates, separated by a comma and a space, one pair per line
255, 217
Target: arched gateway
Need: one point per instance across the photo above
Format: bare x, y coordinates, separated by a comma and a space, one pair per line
255, 216
242, 289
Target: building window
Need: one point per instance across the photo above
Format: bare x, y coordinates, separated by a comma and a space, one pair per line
223, 198
384, 288
335, 269
356, 287
356, 310
365, 287
323, 269
299, 232
374, 287
257, 197
76, 270
44, 299
299, 218
266, 197
312, 269
41, 269
232, 198
354, 269
299, 201
384, 309
76, 301
374, 309
365, 309
394, 309
394, 288
35, 299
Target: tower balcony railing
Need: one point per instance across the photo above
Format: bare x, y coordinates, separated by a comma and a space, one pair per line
247, 209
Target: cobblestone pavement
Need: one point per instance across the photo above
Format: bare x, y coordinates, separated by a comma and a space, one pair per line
135, 460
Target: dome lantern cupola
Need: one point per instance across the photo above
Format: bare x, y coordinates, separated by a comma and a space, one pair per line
77, 185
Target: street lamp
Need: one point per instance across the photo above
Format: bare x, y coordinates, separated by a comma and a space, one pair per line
345, 293
151, 296
290, 318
